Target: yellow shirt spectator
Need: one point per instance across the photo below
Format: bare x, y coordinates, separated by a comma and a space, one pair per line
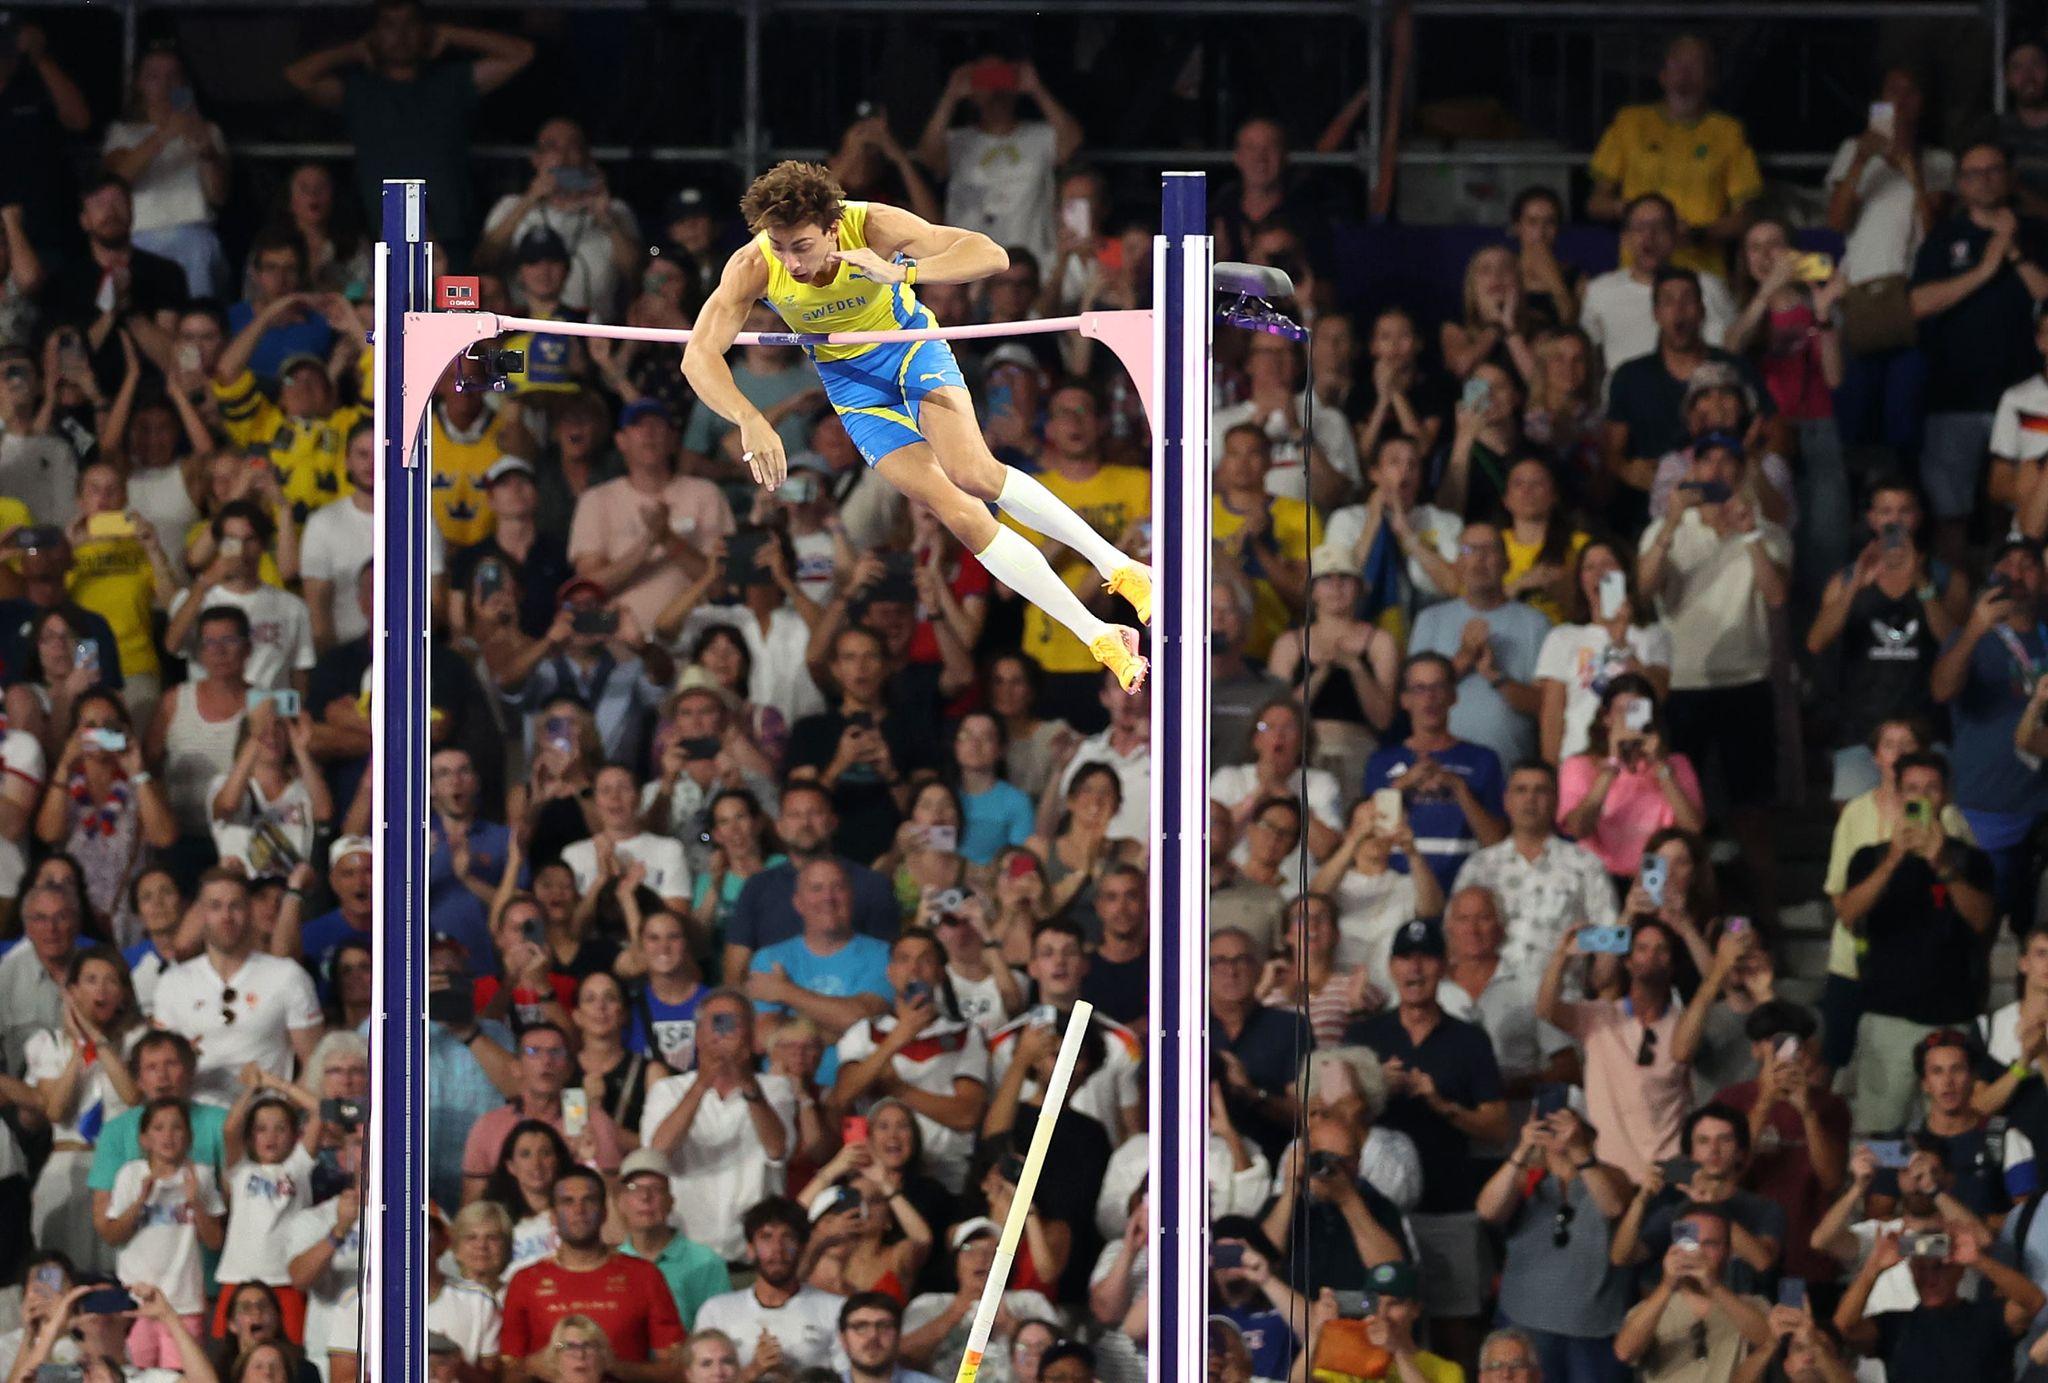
1522, 557
1297, 530
309, 453
13, 514
267, 572
1705, 168
461, 455
1111, 500
112, 578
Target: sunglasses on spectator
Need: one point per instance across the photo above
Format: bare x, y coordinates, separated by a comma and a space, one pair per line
227, 1004
1646, 1054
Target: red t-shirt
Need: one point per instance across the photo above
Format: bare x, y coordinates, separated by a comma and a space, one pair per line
1780, 1170
627, 1297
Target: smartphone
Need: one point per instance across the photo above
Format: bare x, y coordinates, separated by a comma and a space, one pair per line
574, 179
800, 489
575, 1111
117, 525
1679, 1171
1353, 1306
699, 749
50, 1278
1792, 1292
559, 732
1324, 1163
1044, 1016
1919, 811
181, 99
917, 991
1884, 118
70, 352
1639, 714
1892, 537
86, 654
1686, 1235
598, 622
1386, 810
1074, 216
945, 839
1815, 267
60, 1373
1227, 1253
231, 547
453, 1007
949, 900
1478, 393
1550, 1098
742, 557
1604, 941
853, 1129
107, 741
490, 579
188, 357
1787, 1048
1655, 872
1925, 1244
107, 1301
724, 1024
345, 1114
1613, 594
286, 699
1891, 1153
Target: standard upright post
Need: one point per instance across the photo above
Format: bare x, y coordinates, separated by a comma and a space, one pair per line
393, 1222
1177, 1045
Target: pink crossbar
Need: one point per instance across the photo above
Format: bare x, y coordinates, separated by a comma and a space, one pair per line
435, 338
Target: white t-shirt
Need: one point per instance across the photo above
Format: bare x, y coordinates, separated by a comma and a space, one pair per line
1579, 656
168, 192
1720, 632
945, 1052
291, 811
336, 546
1232, 783
328, 1325
21, 761
1370, 909
1231, 1192
2019, 429
1434, 527
41, 472
981, 1001
1002, 184
1134, 774
263, 1196
160, 497
721, 1168
1103, 1095
533, 1239
280, 633
468, 1315
48, 1052
274, 998
593, 281
668, 871
165, 1250
1617, 315
806, 1326
1886, 234
1287, 477
780, 677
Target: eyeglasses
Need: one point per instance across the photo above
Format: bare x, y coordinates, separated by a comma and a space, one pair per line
1227, 962
227, 1004
1646, 1055
551, 1053
1561, 1228
590, 1347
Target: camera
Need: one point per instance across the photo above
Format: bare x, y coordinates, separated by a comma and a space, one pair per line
347, 1115
499, 365
1324, 1163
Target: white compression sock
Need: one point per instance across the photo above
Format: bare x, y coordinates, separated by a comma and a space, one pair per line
1039, 509
1012, 560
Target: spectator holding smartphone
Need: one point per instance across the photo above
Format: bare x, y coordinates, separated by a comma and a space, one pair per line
1692, 1325
1716, 1142
1942, 1334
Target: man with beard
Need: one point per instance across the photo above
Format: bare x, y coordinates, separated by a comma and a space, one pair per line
626, 1296
779, 1319
142, 291
870, 1335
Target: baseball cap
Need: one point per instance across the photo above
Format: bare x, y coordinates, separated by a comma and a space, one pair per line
1396, 1279
1725, 441
1011, 353
1418, 938
539, 245
640, 1161
505, 467
1332, 559
1717, 374
298, 358
687, 201
346, 846
644, 408
968, 1230
579, 585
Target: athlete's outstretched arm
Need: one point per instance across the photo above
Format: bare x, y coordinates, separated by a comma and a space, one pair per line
944, 254
745, 279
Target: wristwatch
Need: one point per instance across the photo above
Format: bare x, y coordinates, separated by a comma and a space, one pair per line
909, 273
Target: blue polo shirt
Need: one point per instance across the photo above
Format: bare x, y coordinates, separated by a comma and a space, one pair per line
454, 911
859, 966
1442, 835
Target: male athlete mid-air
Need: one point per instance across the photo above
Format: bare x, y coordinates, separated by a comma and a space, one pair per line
829, 265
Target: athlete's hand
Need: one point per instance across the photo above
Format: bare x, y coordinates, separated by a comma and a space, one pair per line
871, 264
761, 449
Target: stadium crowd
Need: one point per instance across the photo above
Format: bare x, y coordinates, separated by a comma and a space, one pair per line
773, 842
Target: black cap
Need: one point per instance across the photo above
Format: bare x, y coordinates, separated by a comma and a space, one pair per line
687, 201
1418, 938
540, 245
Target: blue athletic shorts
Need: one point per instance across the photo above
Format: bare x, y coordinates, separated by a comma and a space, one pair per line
877, 394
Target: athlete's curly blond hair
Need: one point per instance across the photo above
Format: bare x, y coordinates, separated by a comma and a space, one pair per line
793, 194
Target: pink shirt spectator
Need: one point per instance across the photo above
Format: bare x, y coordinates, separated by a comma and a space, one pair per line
1638, 1108
1634, 811
1791, 365
609, 523
487, 1138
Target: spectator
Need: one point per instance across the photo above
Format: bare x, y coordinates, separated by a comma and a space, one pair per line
337, 253
868, 156
1883, 190
1941, 1331
287, 317
726, 1130
1976, 287
1257, 1047
2015, 479
1692, 1325
1124, 745
1989, 1168
104, 809
1276, 769
1551, 1194
281, 632
176, 160
304, 433
198, 724
778, 1319
147, 290
1628, 785
1709, 191
544, 1071
870, 1326
1493, 650
1543, 882
608, 666
1609, 631
1450, 789
1974, 677
1619, 310
644, 534
1319, 467
273, 803
1920, 903
864, 750
40, 467
1404, 548
569, 195
1716, 1143
1486, 436
123, 577
163, 1210
1447, 1096
694, 1272
999, 171
1493, 328
243, 1005
337, 545
1638, 1056
1349, 1227
937, 1322
765, 912
407, 110
1058, 967
624, 1297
